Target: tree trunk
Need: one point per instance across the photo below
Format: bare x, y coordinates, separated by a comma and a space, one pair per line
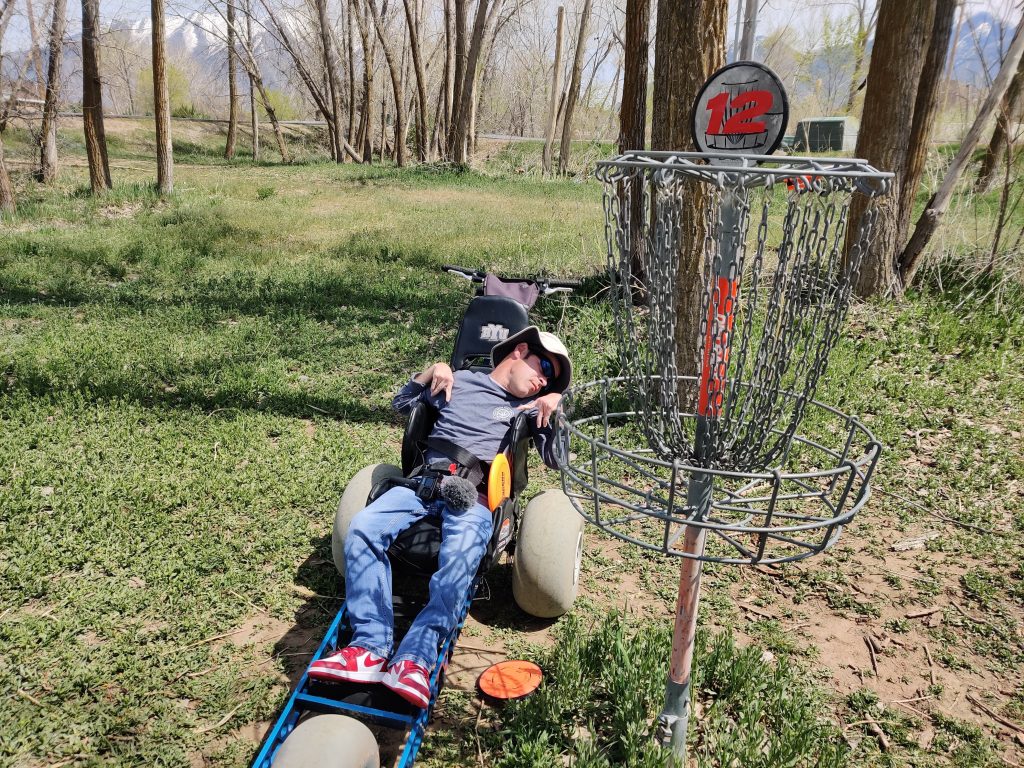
910, 259
1001, 137
272, 115
556, 86
396, 84
465, 107
92, 100
447, 94
254, 118
633, 110
6, 188
161, 102
350, 53
633, 117
574, 90
365, 141
925, 108
894, 75
48, 130
461, 56
422, 141
860, 48
746, 51
331, 60
229, 147
36, 54
689, 47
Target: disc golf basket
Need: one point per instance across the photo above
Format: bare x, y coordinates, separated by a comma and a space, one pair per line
724, 456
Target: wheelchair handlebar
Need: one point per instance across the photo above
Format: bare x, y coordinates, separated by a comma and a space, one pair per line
547, 285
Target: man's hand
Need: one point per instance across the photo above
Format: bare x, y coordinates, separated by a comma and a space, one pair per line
545, 405
439, 378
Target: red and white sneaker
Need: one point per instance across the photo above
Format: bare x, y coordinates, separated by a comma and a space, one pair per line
353, 664
410, 681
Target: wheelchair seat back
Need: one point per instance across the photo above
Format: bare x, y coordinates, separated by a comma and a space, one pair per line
488, 320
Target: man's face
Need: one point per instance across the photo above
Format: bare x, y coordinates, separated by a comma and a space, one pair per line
531, 371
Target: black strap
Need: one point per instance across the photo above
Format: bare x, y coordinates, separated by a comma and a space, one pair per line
473, 466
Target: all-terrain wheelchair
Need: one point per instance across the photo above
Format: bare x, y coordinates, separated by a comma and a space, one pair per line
322, 723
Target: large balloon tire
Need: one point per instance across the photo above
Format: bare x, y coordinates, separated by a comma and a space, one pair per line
352, 501
329, 741
549, 550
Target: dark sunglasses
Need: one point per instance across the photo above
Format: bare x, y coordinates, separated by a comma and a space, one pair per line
547, 368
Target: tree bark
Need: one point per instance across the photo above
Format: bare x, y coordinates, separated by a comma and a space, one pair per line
47, 172
860, 48
254, 118
925, 107
574, 90
633, 110
633, 118
229, 147
396, 85
6, 188
331, 59
422, 133
36, 54
484, 16
365, 139
689, 47
746, 50
92, 100
556, 77
1010, 110
894, 76
910, 258
161, 102
461, 56
448, 82
350, 53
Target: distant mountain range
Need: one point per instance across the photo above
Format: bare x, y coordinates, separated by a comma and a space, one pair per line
199, 40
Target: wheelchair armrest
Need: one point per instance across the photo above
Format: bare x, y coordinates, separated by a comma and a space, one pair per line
520, 448
417, 429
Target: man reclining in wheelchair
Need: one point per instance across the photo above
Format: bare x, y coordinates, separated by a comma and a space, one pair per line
475, 413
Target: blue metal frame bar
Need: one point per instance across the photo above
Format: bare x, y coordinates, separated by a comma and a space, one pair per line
293, 708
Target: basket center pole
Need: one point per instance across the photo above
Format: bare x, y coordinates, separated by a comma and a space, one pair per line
673, 722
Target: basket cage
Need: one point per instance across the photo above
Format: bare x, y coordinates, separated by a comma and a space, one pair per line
778, 255
712, 426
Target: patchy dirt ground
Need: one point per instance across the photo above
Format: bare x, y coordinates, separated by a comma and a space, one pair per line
864, 615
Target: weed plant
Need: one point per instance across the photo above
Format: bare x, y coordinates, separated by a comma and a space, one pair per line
604, 687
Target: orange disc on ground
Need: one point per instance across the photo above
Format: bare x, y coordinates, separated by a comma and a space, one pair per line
509, 680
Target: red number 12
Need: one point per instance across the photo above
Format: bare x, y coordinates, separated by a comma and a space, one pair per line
749, 105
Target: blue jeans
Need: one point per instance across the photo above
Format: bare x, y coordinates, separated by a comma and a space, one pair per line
464, 538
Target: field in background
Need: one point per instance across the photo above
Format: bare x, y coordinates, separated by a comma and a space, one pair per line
189, 383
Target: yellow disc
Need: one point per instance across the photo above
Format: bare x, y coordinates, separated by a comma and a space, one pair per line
499, 482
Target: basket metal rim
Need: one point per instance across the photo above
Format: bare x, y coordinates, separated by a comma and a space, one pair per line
872, 446
747, 164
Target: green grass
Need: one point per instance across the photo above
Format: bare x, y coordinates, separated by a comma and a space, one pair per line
186, 385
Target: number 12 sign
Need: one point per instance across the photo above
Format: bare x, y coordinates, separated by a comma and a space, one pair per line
741, 108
